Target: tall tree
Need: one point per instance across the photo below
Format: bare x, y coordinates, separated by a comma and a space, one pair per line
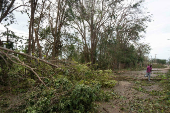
57, 19
31, 41
38, 20
120, 34
95, 14
129, 22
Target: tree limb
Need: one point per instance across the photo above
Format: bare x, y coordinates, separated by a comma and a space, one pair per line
7, 11
2, 48
23, 64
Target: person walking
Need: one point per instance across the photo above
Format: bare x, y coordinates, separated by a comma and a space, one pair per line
148, 71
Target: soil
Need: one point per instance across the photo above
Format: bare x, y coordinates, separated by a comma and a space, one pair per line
131, 87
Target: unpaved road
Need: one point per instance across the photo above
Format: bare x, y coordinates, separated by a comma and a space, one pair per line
133, 92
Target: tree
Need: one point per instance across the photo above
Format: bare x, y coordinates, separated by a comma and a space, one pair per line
91, 17
96, 31
57, 19
33, 5
6, 10
118, 40
142, 50
37, 22
129, 23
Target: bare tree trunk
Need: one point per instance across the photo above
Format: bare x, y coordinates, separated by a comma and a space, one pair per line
93, 43
39, 48
2, 48
92, 38
56, 31
56, 44
38, 44
31, 42
86, 53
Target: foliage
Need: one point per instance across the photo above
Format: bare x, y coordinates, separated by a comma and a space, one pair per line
71, 87
166, 82
110, 83
161, 61
158, 66
5, 7
71, 32
80, 99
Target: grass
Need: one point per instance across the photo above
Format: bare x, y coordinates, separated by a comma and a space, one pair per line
148, 97
157, 101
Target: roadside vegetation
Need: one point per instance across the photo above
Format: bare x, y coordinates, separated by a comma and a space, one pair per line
159, 65
70, 87
76, 54
31, 85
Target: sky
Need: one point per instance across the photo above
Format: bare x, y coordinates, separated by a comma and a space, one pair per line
157, 33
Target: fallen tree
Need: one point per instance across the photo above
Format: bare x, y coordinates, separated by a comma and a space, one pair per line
12, 56
48, 87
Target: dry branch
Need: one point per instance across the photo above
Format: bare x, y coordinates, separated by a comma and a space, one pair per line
22, 63
2, 49
8, 50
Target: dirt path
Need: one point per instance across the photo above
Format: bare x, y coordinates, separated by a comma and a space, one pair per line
134, 92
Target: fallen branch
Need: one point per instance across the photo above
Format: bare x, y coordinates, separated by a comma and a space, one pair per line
23, 64
2, 48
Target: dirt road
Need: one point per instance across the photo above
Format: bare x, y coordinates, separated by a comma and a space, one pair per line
134, 93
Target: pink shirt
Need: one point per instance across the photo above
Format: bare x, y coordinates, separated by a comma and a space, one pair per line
148, 69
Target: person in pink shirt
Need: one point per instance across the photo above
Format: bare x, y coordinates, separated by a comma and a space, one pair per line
148, 71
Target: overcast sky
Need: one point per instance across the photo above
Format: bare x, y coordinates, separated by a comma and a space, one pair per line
157, 33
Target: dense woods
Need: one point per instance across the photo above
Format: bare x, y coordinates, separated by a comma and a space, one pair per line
71, 51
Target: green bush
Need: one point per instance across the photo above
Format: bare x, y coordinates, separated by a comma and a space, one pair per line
109, 83
80, 99
62, 83
39, 101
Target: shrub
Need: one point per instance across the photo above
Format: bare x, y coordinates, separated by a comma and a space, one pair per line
109, 83
62, 83
72, 88
82, 98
